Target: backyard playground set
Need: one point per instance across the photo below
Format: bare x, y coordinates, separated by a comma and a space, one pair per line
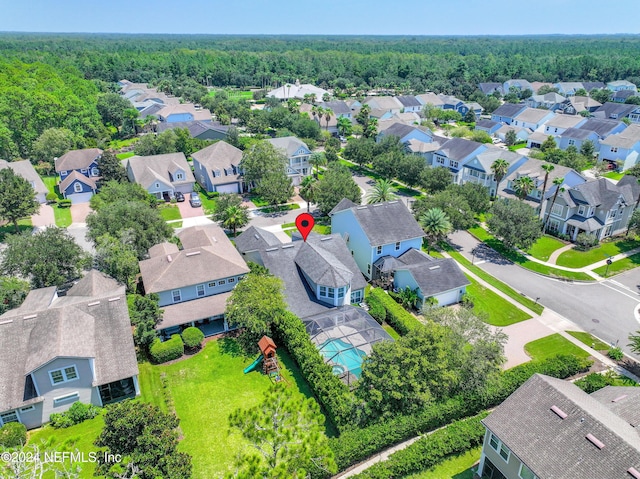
267, 358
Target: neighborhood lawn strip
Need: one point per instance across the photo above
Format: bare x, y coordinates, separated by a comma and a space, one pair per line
578, 259
620, 266
62, 215
589, 340
551, 345
454, 467
497, 310
543, 248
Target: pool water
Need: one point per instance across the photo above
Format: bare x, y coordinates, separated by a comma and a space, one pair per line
343, 356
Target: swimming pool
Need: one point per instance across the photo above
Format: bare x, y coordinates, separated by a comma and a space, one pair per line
343, 356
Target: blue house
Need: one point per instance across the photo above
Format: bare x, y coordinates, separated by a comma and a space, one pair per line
488, 126
454, 153
506, 113
622, 149
478, 169
406, 133
217, 168
78, 173
193, 283
594, 129
376, 233
620, 85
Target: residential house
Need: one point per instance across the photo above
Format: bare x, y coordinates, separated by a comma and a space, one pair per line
383, 105
217, 168
617, 111
426, 150
557, 125
533, 169
575, 105
550, 101
253, 240
622, 96
193, 283
522, 134
478, 169
201, 130
25, 169
593, 85
405, 118
298, 153
519, 85
456, 152
568, 88
375, 231
430, 98
338, 107
473, 106
78, 174
59, 349
621, 149
536, 85
490, 88
297, 90
410, 104
183, 112
161, 175
440, 279
536, 139
550, 428
620, 85
488, 126
596, 207
532, 118
507, 112
594, 129
405, 133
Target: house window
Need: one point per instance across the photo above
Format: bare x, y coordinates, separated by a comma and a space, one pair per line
341, 292
368, 268
500, 448
613, 214
440, 160
614, 149
554, 226
73, 397
572, 142
581, 210
221, 282
77, 187
176, 295
63, 173
556, 210
331, 293
8, 417
378, 249
95, 171
526, 473
200, 290
59, 376
356, 296
607, 231
454, 164
212, 285
474, 173
555, 130
27, 409
323, 291
231, 280
179, 176
83, 170
398, 246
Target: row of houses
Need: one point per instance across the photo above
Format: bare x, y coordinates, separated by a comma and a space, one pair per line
564, 88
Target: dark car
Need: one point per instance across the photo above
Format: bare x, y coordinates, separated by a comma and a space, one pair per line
194, 199
179, 197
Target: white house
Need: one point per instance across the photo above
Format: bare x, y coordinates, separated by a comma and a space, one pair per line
298, 153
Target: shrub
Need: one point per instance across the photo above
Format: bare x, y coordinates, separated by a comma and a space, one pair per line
192, 337
51, 197
77, 413
592, 382
398, 317
173, 200
584, 241
616, 354
64, 203
376, 309
13, 434
161, 352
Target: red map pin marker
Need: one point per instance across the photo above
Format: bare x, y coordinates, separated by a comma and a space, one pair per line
304, 223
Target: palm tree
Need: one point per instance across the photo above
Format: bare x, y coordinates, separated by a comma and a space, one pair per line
558, 182
409, 297
548, 168
317, 159
235, 217
344, 126
500, 168
308, 190
328, 114
523, 186
317, 112
383, 190
436, 225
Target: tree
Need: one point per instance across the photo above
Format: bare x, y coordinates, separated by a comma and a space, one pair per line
633, 100
557, 182
469, 117
382, 191
548, 168
635, 342
112, 192
359, 151
344, 126
634, 222
144, 435
510, 137
286, 431
588, 149
515, 222
275, 187
544, 89
601, 95
581, 92
410, 168
52, 143
454, 205
500, 168
409, 297
436, 179
111, 168
328, 114
436, 225
260, 159
387, 164
317, 159
13, 291
117, 259
523, 186
17, 198
307, 190
335, 185
477, 196
235, 217
50, 257
111, 107
145, 315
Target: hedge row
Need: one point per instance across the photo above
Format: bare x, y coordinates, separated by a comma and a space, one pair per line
357, 444
457, 437
332, 393
398, 317
161, 352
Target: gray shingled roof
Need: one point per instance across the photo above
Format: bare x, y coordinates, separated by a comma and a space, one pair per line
558, 448
433, 276
219, 157
321, 266
408, 101
344, 204
287, 144
624, 401
609, 109
196, 127
489, 87
602, 193
77, 159
338, 107
254, 239
564, 121
533, 169
76, 175
25, 169
148, 169
46, 327
508, 109
402, 129
488, 124
625, 139
457, 149
532, 115
193, 310
577, 133
601, 126
487, 157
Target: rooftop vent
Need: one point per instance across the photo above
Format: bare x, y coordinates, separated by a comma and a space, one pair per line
559, 412
6, 322
268, 250
619, 398
193, 253
169, 258
287, 246
30, 316
634, 472
114, 299
361, 208
95, 303
434, 267
256, 236
375, 205
326, 238
595, 441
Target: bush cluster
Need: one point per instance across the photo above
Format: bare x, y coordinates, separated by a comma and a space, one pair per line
161, 352
13, 434
77, 413
332, 393
357, 444
616, 354
457, 437
376, 309
64, 203
192, 337
398, 317
585, 241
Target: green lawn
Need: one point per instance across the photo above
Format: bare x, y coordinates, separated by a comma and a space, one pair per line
176, 224
543, 248
258, 201
124, 156
619, 266
589, 340
498, 311
50, 183
454, 467
62, 215
551, 345
275, 209
9, 229
614, 175
579, 259
517, 146
205, 389
208, 204
392, 332
117, 144
170, 212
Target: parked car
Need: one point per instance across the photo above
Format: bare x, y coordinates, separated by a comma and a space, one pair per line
194, 199
179, 196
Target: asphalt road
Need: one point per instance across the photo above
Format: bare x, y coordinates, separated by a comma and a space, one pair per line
605, 309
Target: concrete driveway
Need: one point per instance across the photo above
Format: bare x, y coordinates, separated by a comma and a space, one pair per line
79, 212
44, 217
79, 233
188, 211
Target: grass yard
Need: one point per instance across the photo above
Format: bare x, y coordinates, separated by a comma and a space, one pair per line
614, 175
589, 340
208, 204
9, 229
234, 95
170, 212
517, 146
579, 259
118, 144
551, 345
124, 156
205, 389
543, 248
61, 215
392, 332
276, 209
620, 266
454, 467
498, 311
176, 224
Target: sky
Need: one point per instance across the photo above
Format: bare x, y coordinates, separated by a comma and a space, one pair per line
324, 17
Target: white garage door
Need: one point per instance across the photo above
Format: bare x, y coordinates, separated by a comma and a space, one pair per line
80, 198
450, 297
230, 188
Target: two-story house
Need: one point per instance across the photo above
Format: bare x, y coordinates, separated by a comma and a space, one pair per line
78, 174
161, 175
557, 125
518, 84
339, 108
406, 133
182, 112
550, 428
597, 207
376, 231
56, 350
383, 104
410, 104
298, 153
621, 149
430, 98
532, 118
594, 130
193, 283
217, 168
575, 105
454, 153
25, 169
488, 126
490, 88
478, 169
616, 111
506, 113
568, 88
620, 85
550, 101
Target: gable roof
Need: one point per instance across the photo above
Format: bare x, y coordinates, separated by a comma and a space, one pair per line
181, 108
533, 169
148, 169
564, 121
408, 101
555, 447
509, 110
601, 126
602, 193
45, 327
196, 127
321, 266
297, 90
25, 169
219, 156
625, 139
287, 144
254, 239
593, 85
532, 115
75, 175
383, 102
617, 110
485, 123
577, 133
401, 130
386, 223
344, 204
457, 149
489, 87
490, 155
430, 98
77, 159
207, 255
433, 276
338, 107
